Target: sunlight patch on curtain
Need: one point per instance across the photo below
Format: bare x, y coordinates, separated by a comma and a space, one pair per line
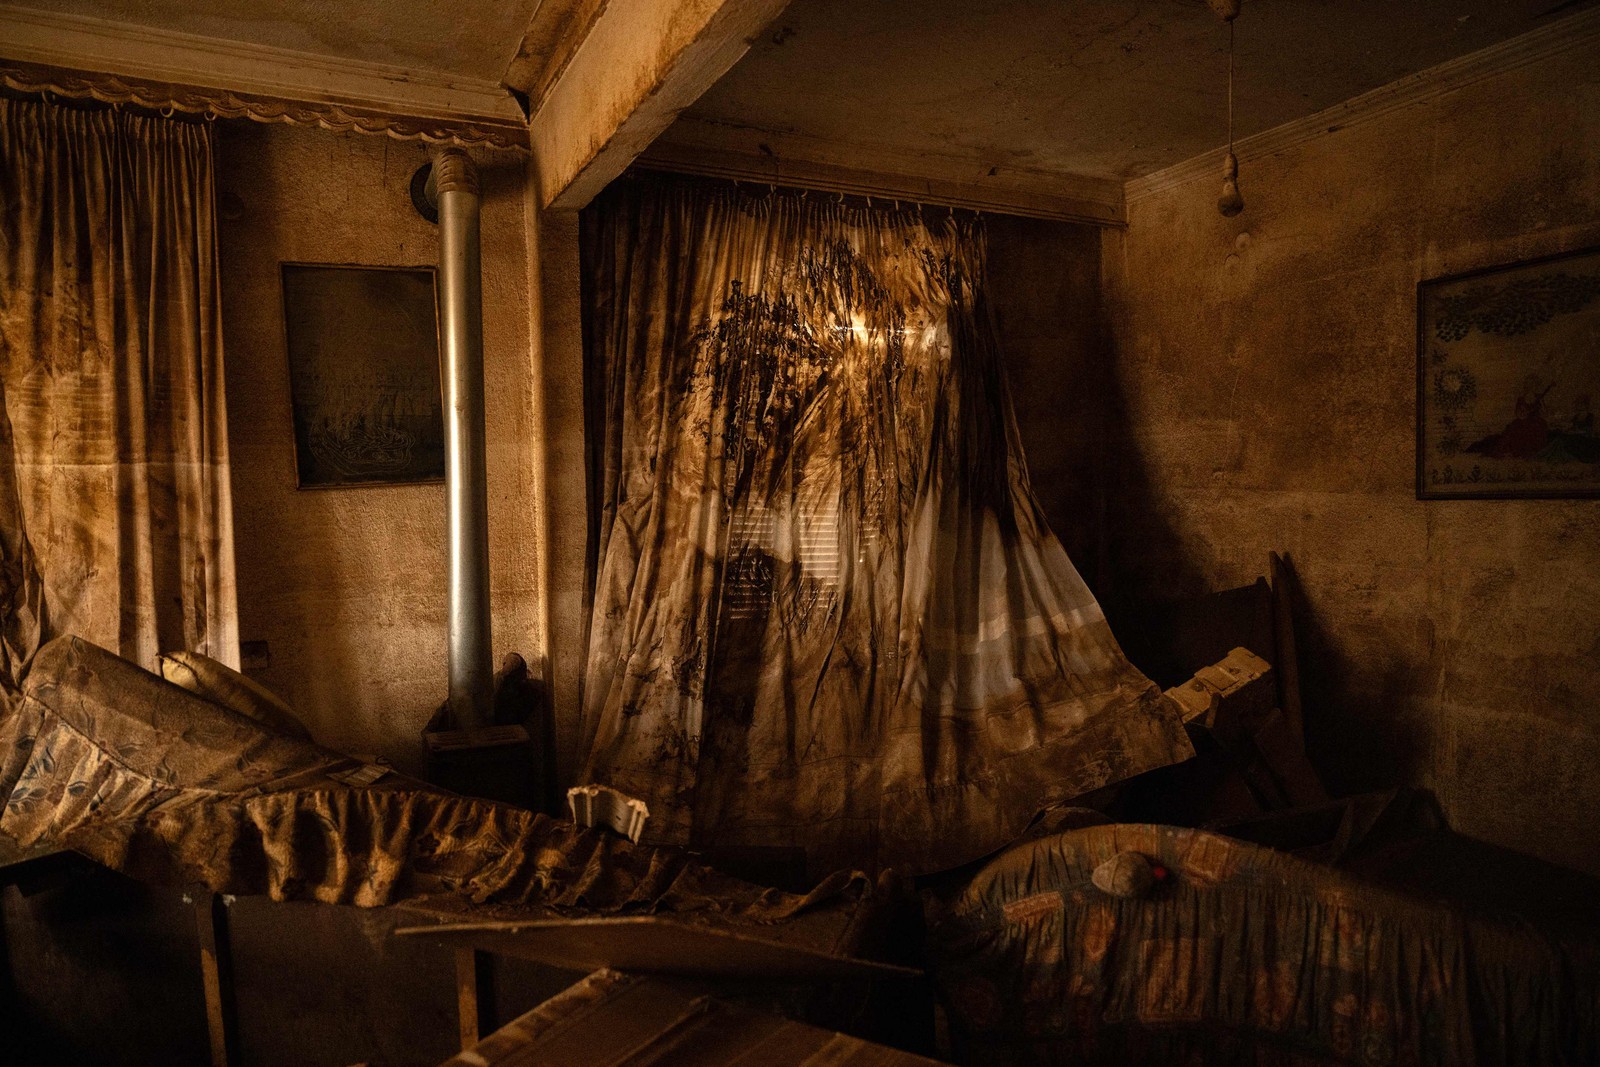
827, 612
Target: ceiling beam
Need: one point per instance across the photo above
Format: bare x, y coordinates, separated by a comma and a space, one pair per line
641, 63
554, 33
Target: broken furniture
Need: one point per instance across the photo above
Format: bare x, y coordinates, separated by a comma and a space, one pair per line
149, 779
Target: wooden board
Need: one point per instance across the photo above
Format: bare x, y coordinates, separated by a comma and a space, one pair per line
650, 944
628, 1020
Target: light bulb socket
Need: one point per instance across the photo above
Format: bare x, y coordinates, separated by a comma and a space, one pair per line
1230, 203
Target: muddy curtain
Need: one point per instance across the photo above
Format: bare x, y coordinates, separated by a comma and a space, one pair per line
115, 518
826, 610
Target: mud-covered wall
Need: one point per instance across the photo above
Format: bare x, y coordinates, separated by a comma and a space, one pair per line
1267, 370
1045, 293
347, 586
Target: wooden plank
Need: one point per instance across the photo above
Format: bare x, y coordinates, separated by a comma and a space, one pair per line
629, 1020
467, 997
653, 945
211, 923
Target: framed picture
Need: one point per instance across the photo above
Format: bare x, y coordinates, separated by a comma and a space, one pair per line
363, 348
1508, 378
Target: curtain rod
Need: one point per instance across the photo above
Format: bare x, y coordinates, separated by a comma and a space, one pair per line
849, 183
876, 200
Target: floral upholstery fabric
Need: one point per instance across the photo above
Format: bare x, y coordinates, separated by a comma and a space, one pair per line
105, 758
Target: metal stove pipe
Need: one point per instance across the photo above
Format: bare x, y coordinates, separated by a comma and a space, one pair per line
453, 186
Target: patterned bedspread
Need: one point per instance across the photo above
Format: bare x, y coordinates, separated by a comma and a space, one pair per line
1243, 955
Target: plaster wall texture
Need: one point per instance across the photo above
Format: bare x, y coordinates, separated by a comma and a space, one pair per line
1266, 364
1045, 293
558, 329
347, 586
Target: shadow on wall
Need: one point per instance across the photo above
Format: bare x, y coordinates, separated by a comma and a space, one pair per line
1353, 736
1102, 496
1048, 299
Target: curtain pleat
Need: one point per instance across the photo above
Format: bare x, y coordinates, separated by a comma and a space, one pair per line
827, 612
114, 489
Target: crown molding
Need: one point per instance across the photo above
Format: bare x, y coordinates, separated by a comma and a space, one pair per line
76, 42
1563, 35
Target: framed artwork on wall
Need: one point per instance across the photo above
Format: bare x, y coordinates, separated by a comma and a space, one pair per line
363, 347
1508, 379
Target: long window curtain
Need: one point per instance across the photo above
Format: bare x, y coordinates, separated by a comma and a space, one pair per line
115, 517
827, 612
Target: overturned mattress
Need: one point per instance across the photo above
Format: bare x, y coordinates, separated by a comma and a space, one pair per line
1239, 954
102, 757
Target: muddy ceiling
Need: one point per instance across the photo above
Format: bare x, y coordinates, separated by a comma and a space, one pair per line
1103, 88
1109, 89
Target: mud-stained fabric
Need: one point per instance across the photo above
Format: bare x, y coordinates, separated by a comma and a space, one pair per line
115, 518
1243, 956
826, 609
100, 756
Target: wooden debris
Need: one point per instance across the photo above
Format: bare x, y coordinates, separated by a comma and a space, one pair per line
1234, 701
602, 806
627, 1020
1234, 683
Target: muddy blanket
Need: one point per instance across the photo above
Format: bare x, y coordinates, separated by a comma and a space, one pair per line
105, 758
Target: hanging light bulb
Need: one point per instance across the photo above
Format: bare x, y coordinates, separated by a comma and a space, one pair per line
1230, 203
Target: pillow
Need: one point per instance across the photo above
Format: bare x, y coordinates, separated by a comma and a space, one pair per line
221, 684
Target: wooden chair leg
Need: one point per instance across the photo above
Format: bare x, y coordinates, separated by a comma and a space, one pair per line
211, 922
467, 996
